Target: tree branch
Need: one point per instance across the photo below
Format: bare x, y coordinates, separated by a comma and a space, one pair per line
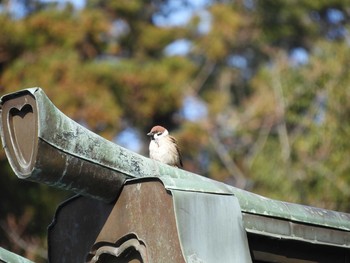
226, 159
280, 112
260, 142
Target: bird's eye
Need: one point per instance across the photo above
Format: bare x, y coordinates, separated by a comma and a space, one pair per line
159, 133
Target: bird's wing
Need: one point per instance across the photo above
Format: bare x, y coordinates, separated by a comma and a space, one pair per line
177, 150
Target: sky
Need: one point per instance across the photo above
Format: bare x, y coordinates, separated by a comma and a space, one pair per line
18, 10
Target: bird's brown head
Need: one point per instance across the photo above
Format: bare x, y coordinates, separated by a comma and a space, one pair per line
157, 131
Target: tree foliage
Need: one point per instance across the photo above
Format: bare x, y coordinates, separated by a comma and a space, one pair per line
267, 82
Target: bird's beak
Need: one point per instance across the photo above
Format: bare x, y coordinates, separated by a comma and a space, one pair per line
150, 134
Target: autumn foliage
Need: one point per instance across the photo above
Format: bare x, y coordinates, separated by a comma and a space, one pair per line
260, 98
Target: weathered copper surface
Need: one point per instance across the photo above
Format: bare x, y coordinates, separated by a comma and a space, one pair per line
274, 249
59, 152
210, 227
43, 145
75, 227
9, 257
143, 213
286, 229
20, 128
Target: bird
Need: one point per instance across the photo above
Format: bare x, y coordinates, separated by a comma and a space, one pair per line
163, 147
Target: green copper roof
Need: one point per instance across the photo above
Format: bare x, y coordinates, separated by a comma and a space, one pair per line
9, 257
75, 143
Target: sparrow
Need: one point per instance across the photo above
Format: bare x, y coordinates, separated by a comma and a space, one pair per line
163, 147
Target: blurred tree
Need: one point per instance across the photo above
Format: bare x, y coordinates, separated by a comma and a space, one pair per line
258, 96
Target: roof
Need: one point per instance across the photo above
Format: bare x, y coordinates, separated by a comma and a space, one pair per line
119, 164
9, 257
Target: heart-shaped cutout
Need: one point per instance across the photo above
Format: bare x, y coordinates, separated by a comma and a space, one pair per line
22, 137
19, 124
